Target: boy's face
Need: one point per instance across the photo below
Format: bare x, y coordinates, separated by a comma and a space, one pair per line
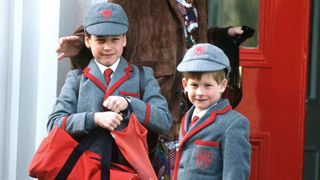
204, 92
106, 49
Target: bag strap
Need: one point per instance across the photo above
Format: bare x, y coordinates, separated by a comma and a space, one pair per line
84, 145
106, 155
141, 81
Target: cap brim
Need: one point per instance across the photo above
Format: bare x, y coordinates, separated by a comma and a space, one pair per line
199, 66
105, 29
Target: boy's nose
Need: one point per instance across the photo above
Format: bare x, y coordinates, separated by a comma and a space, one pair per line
199, 91
106, 46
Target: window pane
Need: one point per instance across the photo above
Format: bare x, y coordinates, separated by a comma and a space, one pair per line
223, 13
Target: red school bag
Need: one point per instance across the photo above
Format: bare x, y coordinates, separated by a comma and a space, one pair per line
59, 156
132, 143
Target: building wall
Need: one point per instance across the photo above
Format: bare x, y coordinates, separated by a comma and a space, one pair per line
30, 31
31, 75
4, 54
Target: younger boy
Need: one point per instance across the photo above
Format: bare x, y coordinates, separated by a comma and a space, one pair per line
93, 98
214, 139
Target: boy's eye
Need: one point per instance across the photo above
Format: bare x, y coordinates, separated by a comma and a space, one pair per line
100, 39
115, 39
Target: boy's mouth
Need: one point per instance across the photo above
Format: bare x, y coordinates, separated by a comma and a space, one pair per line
200, 100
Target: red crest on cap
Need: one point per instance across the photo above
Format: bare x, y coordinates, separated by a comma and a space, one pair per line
199, 50
106, 13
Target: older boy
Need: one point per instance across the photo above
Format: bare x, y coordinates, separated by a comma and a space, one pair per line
213, 140
109, 82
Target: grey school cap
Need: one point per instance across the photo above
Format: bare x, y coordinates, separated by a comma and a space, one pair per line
204, 58
105, 19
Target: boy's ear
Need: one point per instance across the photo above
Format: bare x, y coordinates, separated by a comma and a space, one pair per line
87, 42
124, 40
184, 83
223, 85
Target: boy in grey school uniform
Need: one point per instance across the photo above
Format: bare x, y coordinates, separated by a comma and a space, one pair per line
100, 94
214, 139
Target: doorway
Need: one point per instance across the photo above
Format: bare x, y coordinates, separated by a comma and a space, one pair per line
274, 80
312, 127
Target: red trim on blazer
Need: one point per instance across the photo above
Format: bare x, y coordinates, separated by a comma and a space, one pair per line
192, 133
114, 86
183, 130
132, 94
207, 143
64, 123
128, 70
86, 72
147, 117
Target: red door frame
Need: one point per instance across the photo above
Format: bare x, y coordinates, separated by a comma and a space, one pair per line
274, 85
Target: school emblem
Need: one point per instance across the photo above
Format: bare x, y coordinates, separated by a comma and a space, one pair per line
199, 50
106, 13
204, 158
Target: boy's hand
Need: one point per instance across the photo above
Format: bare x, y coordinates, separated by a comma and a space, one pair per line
234, 31
108, 120
115, 103
69, 46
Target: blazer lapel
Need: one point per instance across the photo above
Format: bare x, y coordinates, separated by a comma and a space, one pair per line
95, 71
205, 119
122, 74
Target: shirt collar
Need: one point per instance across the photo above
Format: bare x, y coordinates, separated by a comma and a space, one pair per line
102, 67
201, 113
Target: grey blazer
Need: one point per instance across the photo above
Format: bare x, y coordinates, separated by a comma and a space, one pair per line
216, 147
83, 93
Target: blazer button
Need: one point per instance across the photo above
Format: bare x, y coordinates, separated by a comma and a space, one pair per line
181, 166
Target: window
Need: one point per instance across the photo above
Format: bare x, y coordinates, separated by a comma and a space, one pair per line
223, 13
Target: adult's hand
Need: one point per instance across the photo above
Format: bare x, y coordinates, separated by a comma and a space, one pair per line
234, 31
69, 46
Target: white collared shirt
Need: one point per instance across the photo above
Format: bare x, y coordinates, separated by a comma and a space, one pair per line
201, 113
102, 67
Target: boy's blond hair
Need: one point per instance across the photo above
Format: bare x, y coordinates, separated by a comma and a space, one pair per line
218, 76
